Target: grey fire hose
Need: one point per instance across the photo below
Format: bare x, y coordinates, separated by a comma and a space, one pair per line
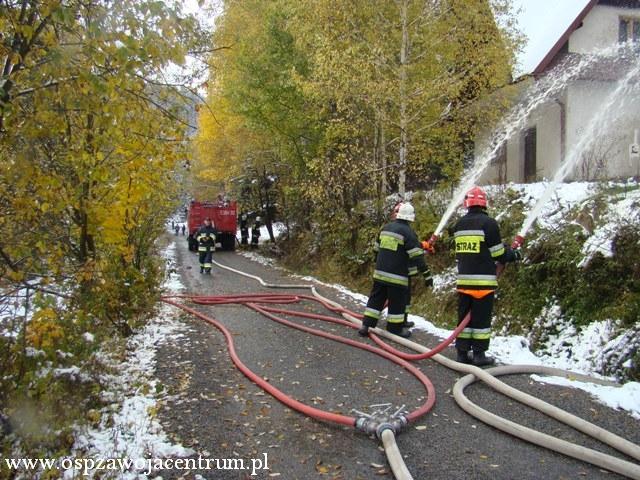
602, 460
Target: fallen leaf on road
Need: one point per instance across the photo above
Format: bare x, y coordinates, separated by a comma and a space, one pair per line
321, 468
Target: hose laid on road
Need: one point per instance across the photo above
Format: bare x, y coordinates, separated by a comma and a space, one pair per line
396, 462
609, 462
255, 301
591, 456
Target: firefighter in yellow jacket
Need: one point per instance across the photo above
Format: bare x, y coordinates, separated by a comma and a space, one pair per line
206, 238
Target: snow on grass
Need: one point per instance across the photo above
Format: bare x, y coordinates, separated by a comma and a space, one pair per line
564, 198
621, 209
128, 427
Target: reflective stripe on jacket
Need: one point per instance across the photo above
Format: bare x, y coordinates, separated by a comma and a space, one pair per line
206, 237
399, 254
478, 248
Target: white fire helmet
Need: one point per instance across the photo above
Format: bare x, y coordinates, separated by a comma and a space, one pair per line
406, 212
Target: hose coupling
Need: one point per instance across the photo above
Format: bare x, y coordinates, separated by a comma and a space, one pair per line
395, 425
367, 425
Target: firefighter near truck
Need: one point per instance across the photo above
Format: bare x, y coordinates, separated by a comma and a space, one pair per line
224, 217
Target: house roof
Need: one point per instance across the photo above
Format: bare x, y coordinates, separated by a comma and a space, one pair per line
621, 3
577, 21
575, 24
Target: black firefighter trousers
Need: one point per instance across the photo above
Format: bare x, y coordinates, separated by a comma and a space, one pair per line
397, 297
477, 334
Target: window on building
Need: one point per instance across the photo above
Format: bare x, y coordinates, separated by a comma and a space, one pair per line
530, 168
629, 30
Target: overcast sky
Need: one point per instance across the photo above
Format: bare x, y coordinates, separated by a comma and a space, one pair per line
543, 22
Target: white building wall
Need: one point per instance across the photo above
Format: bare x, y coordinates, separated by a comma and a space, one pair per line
548, 143
546, 119
607, 149
599, 28
515, 151
608, 152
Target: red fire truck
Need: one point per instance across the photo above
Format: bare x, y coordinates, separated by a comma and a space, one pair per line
224, 215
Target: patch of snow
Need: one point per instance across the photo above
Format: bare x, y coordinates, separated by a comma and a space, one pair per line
128, 427
74, 373
34, 352
256, 257
172, 283
566, 196
621, 209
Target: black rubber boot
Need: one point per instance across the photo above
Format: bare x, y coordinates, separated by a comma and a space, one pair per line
481, 360
207, 271
408, 324
403, 332
463, 356
201, 269
398, 329
364, 331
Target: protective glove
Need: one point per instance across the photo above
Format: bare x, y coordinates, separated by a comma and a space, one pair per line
427, 246
428, 279
364, 331
517, 255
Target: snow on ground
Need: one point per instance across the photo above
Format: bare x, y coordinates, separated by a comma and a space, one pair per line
580, 352
622, 209
128, 428
279, 229
566, 196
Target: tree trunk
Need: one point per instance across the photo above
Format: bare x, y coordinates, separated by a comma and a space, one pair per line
404, 140
383, 160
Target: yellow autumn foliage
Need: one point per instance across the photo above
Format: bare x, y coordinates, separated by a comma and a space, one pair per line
44, 331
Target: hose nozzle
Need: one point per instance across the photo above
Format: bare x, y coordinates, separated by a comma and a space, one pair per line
430, 245
517, 242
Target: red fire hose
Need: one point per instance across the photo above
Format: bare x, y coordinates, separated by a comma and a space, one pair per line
256, 302
421, 356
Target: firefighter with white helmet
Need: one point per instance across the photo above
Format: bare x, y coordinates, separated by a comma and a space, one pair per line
399, 252
478, 247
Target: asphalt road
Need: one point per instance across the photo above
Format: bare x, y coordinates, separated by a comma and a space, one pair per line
211, 407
